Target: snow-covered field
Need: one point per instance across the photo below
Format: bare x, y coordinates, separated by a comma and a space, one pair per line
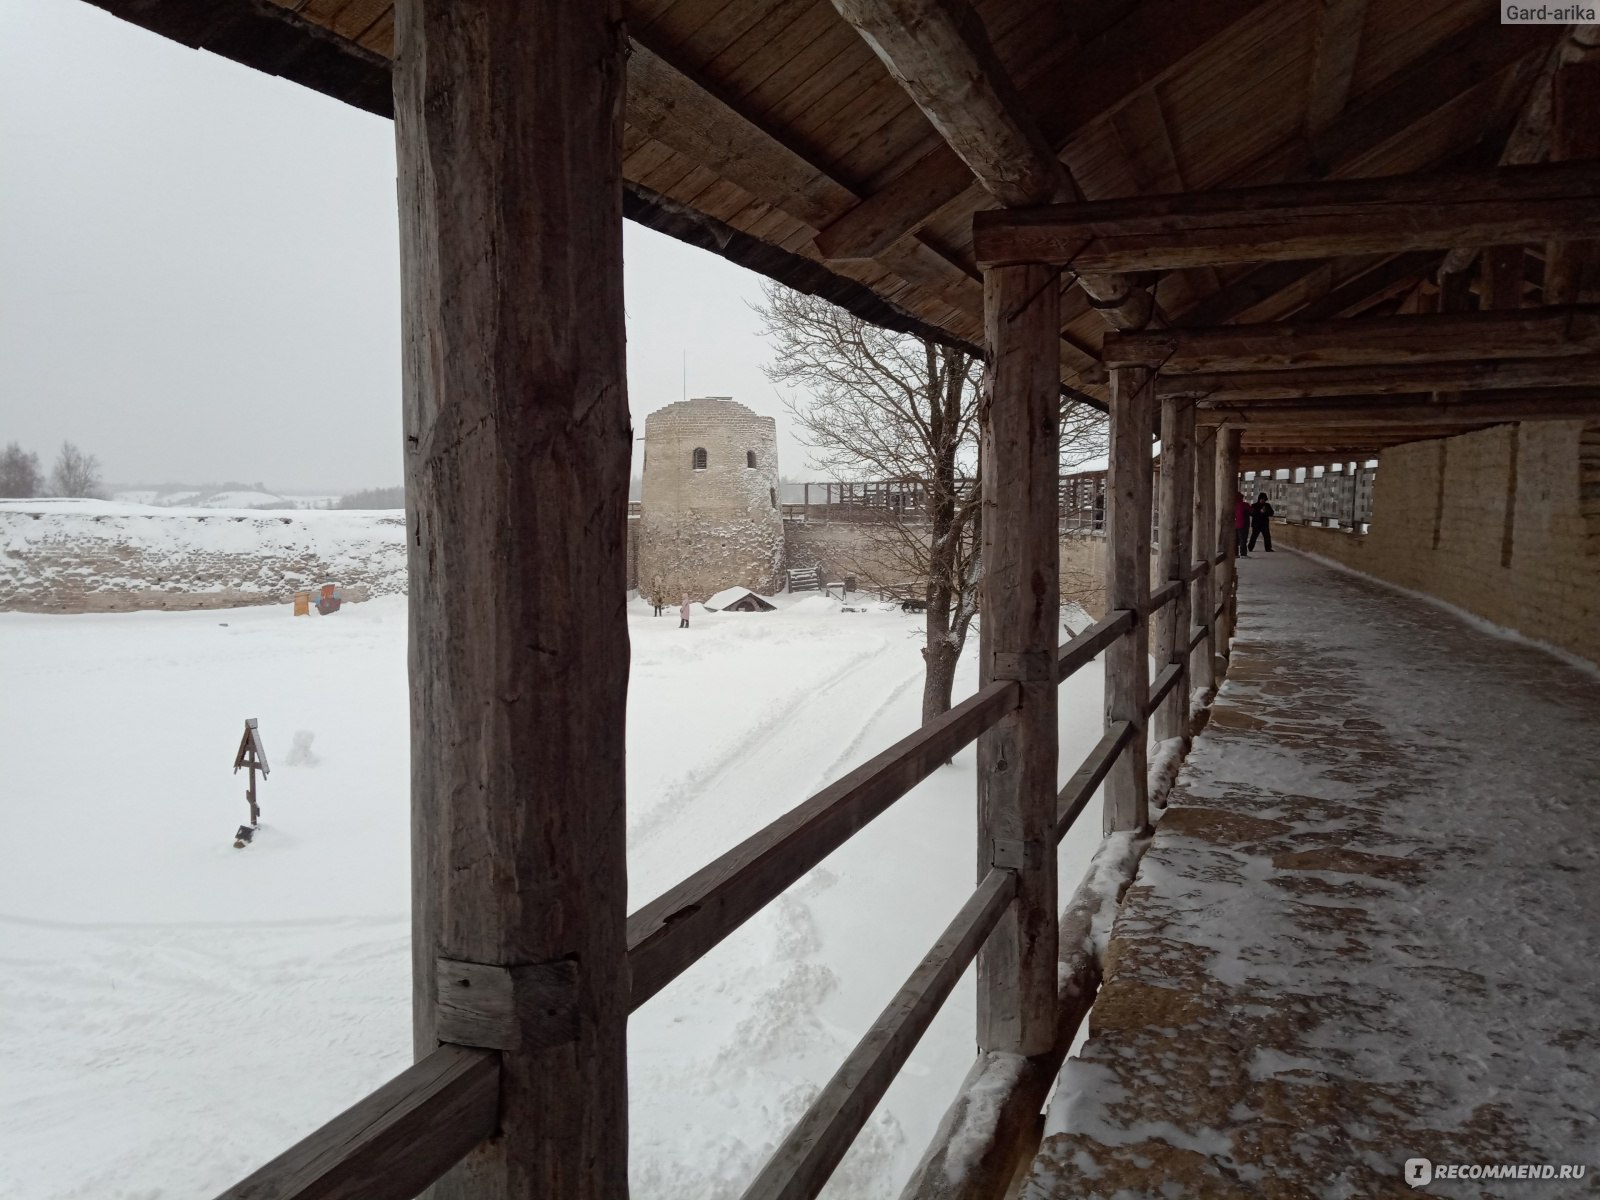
173, 1011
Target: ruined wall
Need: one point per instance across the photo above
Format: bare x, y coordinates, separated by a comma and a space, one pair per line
1493, 522
710, 519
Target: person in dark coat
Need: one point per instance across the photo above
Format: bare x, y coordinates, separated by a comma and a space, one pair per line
1241, 523
1260, 522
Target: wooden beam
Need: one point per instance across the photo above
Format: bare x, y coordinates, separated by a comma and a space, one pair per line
801, 1166
1572, 331
1572, 267
1128, 586
1542, 404
1529, 140
1021, 606
1175, 539
1202, 663
939, 52
1294, 221
1227, 572
517, 441
1334, 48
1109, 69
674, 930
391, 1144
1387, 380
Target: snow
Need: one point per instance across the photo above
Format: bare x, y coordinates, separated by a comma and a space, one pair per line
198, 1008
730, 596
1365, 921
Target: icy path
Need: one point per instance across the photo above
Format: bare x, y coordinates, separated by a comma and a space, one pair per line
1367, 931
174, 1012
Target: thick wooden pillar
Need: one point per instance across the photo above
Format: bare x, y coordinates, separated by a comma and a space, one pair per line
1128, 586
1202, 592
1174, 537
508, 130
1227, 459
1021, 619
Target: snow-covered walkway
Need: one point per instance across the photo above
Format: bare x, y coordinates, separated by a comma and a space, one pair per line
1368, 928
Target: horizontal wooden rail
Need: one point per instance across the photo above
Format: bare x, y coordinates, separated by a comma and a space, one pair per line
1164, 595
1221, 608
808, 1156
1080, 788
393, 1143
1197, 634
675, 929
1083, 648
1221, 558
1164, 683
1198, 568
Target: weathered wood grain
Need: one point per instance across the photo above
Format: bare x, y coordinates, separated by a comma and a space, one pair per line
508, 134
1227, 574
673, 931
1021, 607
1080, 787
1290, 221
1165, 681
1161, 598
1569, 331
391, 1144
507, 1008
802, 1164
1081, 650
1175, 537
1128, 586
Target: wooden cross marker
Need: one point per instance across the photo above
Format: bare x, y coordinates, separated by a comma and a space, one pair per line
251, 755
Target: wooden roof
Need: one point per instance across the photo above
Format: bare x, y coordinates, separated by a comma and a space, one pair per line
770, 132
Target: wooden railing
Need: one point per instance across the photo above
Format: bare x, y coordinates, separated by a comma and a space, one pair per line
393, 1143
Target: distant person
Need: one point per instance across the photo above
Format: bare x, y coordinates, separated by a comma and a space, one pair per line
658, 594
658, 602
1241, 524
683, 612
1260, 522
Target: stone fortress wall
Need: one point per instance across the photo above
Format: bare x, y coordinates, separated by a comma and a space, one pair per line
710, 513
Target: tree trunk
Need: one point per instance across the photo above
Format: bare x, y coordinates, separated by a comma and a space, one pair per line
940, 655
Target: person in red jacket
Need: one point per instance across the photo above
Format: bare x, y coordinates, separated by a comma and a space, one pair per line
1241, 524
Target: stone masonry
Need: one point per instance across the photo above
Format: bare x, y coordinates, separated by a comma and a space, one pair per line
710, 518
1492, 522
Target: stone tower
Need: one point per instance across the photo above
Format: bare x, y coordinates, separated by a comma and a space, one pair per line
710, 503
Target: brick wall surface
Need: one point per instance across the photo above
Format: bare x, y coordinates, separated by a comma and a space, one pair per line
703, 530
1489, 522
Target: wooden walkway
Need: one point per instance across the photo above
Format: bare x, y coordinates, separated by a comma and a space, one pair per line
1368, 928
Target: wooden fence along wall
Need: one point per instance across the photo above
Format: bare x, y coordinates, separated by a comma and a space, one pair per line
1341, 496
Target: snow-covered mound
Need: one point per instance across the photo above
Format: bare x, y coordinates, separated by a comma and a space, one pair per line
224, 499
105, 556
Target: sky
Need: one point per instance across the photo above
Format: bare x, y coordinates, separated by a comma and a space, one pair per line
199, 271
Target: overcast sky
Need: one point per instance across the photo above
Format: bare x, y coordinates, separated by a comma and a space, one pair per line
199, 274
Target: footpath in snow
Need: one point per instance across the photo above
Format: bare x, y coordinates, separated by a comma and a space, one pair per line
1366, 929
173, 1012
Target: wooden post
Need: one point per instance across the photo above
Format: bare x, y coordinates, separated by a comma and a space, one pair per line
1227, 481
1203, 662
1176, 513
1128, 586
1572, 268
1021, 619
508, 131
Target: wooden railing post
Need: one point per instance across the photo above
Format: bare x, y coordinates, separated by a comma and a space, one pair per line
508, 131
1227, 481
1176, 513
1202, 593
1021, 618
1128, 586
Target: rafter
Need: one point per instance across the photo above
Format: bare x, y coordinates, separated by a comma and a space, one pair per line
1386, 380
1151, 40
940, 54
1531, 404
1334, 48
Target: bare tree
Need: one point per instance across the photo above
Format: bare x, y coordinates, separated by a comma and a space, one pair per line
20, 476
897, 408
75, 473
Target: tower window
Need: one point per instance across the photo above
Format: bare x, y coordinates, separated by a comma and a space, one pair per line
699, 458
749, 458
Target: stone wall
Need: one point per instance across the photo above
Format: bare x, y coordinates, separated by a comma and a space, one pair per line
710, 502
84, 556
1491, 522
